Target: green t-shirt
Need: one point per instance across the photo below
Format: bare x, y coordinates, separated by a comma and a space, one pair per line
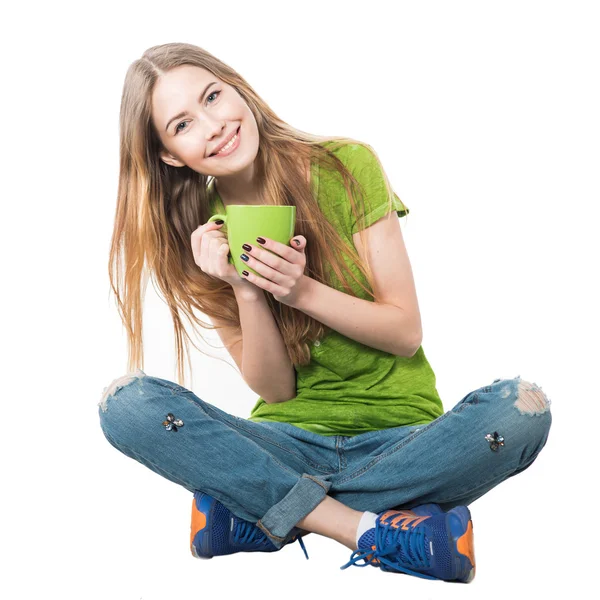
349, 388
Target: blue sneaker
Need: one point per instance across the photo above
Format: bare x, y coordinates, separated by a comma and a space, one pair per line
423, 541
217, 531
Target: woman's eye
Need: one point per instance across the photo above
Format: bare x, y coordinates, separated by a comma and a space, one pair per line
177, 130
212, 94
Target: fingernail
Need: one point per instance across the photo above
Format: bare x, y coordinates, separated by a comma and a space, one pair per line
260, 240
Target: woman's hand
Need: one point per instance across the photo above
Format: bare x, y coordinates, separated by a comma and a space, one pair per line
210, 250
281, 273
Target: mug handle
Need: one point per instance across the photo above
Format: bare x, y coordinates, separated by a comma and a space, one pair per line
223, 218
217, 218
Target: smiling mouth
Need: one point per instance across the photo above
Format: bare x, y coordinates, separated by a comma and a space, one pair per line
237, 131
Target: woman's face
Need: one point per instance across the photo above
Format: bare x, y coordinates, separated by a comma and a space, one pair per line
194, 112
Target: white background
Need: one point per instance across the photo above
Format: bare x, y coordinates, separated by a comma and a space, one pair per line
485, 117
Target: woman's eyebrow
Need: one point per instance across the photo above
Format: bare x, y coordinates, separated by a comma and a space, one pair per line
182, 113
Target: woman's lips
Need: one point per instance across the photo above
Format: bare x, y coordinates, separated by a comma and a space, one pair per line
233, 148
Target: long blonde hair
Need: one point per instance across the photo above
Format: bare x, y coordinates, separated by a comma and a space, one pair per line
159, 206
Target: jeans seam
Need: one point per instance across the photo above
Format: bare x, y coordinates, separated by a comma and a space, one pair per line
471, 490
174, 387
473, 400
260, 525
307, 476
307, 462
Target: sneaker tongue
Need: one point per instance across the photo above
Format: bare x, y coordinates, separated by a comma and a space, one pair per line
367, 541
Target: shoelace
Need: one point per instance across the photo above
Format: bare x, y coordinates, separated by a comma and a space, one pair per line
302, 545
246, 532
411, 540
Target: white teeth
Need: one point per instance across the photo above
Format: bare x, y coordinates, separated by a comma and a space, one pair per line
229, 144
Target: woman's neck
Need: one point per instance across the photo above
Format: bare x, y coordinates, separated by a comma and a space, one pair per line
240, 188
248, 197
242, 191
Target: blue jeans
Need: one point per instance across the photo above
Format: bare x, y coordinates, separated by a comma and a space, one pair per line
274, 474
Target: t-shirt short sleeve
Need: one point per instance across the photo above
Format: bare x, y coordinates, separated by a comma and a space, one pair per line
365, 167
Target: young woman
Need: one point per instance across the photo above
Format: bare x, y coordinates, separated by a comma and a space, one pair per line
349, 438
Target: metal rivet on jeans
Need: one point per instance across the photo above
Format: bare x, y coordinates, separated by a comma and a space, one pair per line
172, 423
495, 440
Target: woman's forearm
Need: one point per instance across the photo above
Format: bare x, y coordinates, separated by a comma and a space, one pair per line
266, 366
380, 326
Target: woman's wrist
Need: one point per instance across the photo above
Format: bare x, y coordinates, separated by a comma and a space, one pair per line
246, 290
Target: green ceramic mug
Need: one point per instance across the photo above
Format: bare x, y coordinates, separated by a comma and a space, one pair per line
245, 222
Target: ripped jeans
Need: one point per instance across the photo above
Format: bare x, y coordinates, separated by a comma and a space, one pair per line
274, 474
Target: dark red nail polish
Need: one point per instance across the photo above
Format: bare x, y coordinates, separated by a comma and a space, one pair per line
260, 240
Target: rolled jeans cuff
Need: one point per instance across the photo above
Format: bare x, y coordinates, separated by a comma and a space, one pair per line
279, 521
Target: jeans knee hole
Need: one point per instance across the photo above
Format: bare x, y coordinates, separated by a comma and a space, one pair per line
117, 384
531, 400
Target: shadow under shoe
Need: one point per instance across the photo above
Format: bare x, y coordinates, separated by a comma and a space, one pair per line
216, 531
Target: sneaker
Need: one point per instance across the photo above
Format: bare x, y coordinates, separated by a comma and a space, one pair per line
423, 541
216, 531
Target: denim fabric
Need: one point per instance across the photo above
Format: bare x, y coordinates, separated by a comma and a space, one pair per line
274, 474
